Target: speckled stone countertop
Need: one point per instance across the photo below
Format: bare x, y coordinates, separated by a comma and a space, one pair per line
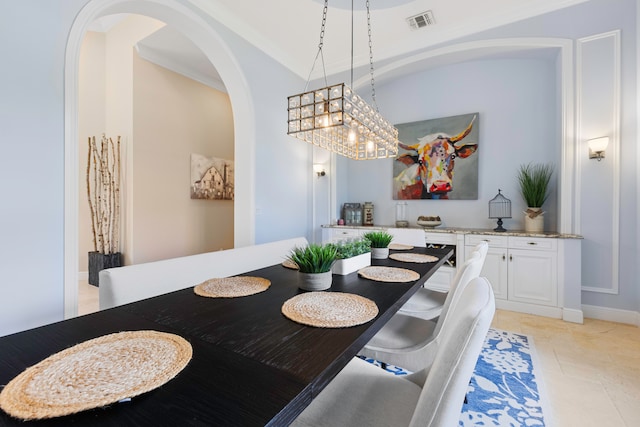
459, 230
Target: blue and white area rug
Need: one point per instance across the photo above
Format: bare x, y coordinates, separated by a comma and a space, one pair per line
503, 390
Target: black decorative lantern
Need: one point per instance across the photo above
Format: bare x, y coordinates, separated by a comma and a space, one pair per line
499, 207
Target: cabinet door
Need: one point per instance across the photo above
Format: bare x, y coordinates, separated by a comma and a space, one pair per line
495, 270
533, 277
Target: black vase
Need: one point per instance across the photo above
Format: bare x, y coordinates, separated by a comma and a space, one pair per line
99, 261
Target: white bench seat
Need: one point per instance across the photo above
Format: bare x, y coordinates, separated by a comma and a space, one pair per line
123, 285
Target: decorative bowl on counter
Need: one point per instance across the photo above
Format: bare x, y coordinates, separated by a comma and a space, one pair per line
429, 221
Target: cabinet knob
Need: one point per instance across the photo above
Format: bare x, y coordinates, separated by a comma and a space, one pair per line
532, 243
510, 257
504, 257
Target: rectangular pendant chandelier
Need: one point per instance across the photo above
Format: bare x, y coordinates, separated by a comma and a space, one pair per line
337, 119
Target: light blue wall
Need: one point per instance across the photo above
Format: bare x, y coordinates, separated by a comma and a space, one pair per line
530, 123
282, 163
516, 102
33, 36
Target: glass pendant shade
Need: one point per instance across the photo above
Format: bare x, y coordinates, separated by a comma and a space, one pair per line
337, 119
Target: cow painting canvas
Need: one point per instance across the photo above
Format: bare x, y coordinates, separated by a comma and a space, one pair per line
437, 159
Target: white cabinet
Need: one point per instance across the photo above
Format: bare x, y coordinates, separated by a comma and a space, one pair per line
522, 270
538, 275
441, 279
495, 267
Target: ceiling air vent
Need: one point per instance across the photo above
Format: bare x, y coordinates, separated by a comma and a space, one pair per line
422, 20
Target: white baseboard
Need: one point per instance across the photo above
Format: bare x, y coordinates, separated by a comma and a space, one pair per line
572, 315
538, 310
612, 314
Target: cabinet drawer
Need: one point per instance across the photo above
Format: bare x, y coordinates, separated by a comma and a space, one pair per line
533, 243
337, 234
440, 238
493, 241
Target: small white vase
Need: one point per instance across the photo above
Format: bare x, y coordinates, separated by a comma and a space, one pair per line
379, 253
314, 281
534, 220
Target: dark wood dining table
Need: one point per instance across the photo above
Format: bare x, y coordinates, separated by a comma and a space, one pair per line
251, 365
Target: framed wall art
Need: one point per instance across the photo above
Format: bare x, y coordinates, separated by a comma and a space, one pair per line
211, 178
437, 159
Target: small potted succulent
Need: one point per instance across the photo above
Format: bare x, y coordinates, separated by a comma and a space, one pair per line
314, 265
352, 255
379, 243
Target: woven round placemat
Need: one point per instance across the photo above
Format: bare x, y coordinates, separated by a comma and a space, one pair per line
330, 309
411, 257
231, 287
96, 373
399, 247
290, 264
388, 274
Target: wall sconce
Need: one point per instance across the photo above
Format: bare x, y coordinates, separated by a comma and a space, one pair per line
319, 170
597, 147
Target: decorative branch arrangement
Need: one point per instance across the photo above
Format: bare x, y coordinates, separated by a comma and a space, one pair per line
103, 193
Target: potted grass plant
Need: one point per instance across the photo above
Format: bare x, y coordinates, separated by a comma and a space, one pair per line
314, 265
379, 243
534, 186
352, 255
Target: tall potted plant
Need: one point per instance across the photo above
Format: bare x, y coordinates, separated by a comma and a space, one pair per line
379, 243
103, 194
314, 265
534, 186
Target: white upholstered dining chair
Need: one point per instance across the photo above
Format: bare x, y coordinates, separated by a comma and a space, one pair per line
365, 395
428, 303
412, 342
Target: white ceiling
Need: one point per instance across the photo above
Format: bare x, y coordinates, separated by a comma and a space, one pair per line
289, 30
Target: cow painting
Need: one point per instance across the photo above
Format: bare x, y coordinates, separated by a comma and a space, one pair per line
425, 169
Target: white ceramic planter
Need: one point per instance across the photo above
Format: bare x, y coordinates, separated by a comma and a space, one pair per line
349, 265
536, 224
379, 253
314, 281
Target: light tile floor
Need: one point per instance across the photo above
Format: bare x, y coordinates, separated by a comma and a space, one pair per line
87, 298
591, 372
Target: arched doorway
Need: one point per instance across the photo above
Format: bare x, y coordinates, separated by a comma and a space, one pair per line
214, 47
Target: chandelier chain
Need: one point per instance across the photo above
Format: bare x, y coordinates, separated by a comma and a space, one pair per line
320, 45
373, 86
324, 22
